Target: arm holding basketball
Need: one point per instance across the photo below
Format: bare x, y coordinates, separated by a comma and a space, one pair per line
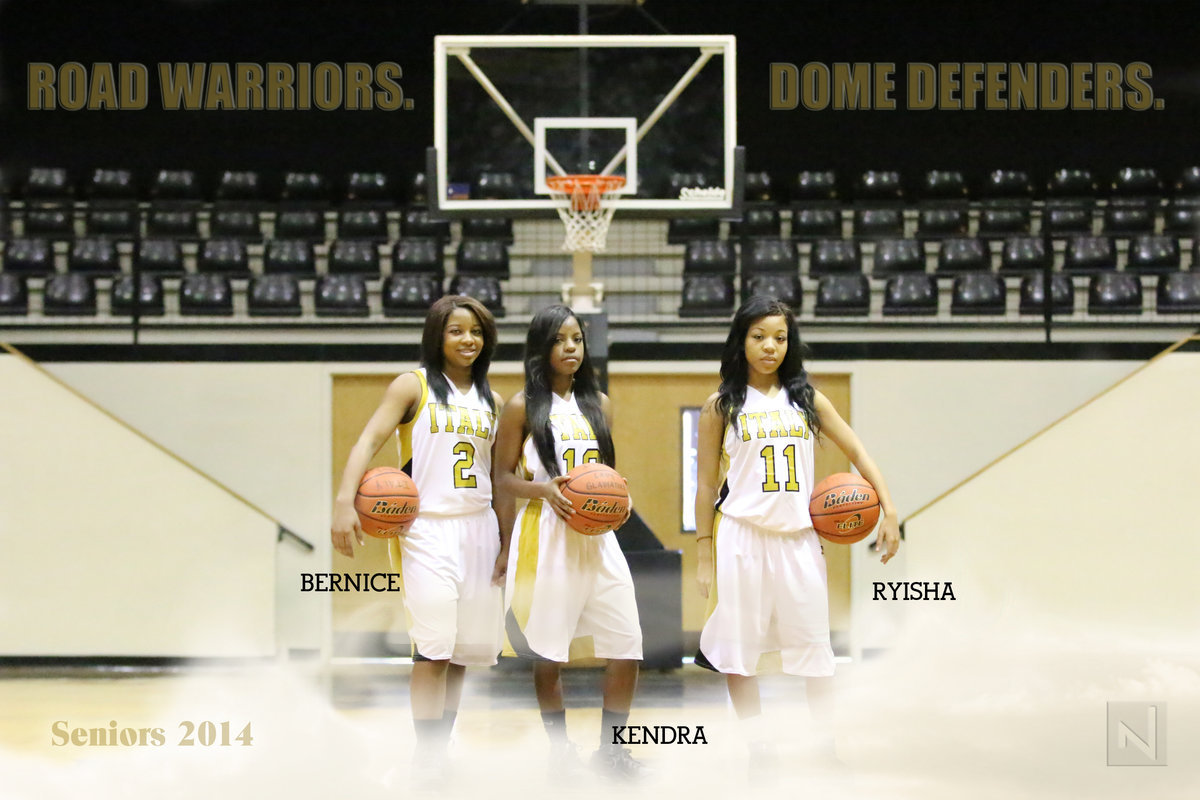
508, 484
397, 404
833, 426
606, 407
708, 468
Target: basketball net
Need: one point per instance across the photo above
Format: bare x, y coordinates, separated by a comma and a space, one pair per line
589, 210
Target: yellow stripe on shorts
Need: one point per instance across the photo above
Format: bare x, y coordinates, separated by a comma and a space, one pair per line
527, 558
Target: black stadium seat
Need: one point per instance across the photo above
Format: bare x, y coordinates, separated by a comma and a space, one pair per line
29, 256
410, 295
341, 295
205, 295
14, 298
843, 295
898, 255
163, 256
707, 296
1115, 293
93, 255
348, 256
417, 256
1033, 296
782, 286
484, 288
224, 257
72, 294
910, 294
1152, 253
978, 293
769, 255
715, 257
1179, 293
274, 296
835, 256
293, 256
1023, 254
149, 300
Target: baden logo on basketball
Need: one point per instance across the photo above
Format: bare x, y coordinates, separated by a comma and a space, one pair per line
845, 497
594, 506
388, 508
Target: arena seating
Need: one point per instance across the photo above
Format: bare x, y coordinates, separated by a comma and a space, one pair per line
944, 245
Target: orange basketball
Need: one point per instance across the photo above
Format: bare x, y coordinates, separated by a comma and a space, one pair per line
600, 497
386, 502
844, 508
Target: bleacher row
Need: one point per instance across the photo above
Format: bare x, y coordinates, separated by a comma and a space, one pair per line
1127, 243
112, 247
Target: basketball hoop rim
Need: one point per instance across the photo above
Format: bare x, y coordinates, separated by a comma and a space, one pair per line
570, 184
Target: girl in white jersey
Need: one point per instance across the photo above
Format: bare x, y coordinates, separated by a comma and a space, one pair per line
759, 562
444, 416
568, 595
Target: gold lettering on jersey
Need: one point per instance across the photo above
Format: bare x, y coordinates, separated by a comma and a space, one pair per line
777, 426
460, 420
782, 424
464, 421
573, 426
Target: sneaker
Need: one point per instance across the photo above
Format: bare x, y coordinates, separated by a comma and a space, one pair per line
619, 763
565, 765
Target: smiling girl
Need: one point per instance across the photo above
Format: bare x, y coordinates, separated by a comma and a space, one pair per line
444, 416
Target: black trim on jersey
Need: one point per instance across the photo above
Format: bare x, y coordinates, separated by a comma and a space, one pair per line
417, 655
516, 638
722, 494
701, 661
407, 468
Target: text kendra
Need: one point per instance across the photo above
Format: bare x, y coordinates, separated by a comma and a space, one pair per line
658, 734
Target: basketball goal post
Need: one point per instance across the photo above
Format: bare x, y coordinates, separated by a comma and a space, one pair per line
587, 199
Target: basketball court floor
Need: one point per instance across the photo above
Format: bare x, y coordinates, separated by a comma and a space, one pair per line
951, 713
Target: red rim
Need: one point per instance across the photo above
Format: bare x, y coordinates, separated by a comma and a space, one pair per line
570, 184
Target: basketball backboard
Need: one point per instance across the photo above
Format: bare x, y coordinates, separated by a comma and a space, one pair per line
659, 111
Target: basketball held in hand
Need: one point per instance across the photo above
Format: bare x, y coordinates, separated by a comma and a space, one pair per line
844, 508
600, 497
386, 502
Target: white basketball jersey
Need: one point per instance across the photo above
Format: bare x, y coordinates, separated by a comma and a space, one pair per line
447, 449
574, 441
768, 454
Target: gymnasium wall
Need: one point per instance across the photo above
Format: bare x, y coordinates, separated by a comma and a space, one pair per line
1158, 34
1092, 521
265, 430
113, 546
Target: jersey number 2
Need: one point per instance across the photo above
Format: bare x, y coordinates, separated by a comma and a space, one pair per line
466, 459
768, 457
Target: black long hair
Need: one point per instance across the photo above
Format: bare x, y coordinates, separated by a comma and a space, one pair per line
538, 388
735, 371
434, 335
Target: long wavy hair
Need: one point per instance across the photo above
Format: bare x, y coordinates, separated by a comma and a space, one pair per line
434, 335
735, 370
538, 388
